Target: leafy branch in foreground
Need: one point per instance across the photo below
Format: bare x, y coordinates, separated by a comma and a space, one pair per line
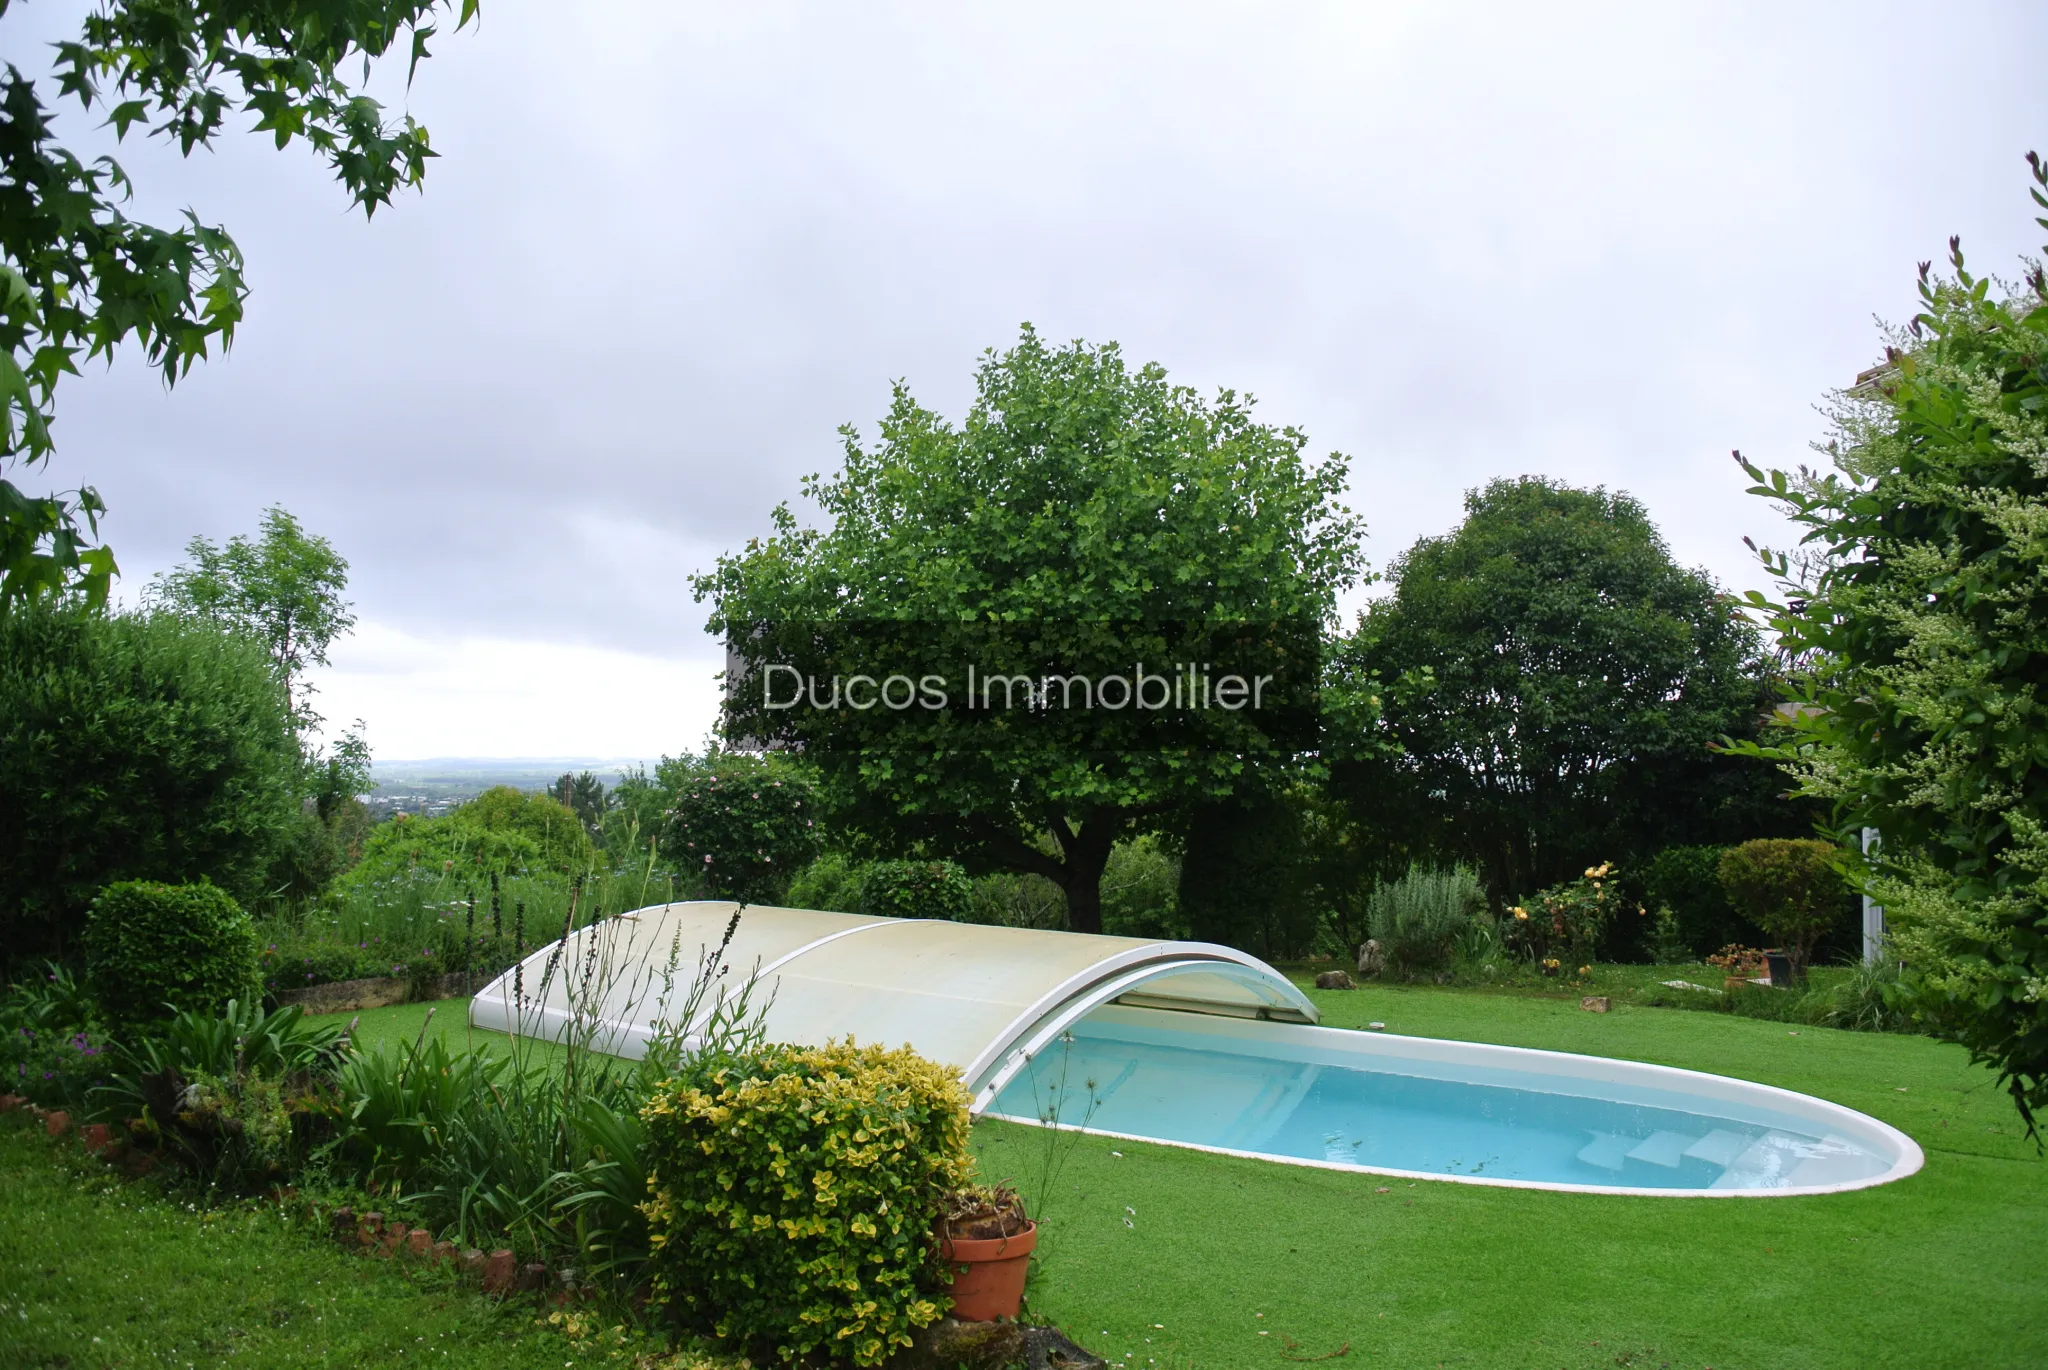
1925, 623
78, 277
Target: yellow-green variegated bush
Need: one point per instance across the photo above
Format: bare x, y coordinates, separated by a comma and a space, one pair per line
794, 1195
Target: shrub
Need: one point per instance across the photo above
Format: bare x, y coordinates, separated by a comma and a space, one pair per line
425, 850
795, 1192
828, 883
743, 825
132, 748
1141, 892
555, 830
1687, 880
51, 1049
1419, 918
1789, 887
155, 950
1567, 920
913, 889
237, 1096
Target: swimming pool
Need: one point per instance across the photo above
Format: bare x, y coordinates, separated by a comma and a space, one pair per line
1425, 1108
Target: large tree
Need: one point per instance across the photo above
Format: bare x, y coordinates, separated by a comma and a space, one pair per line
1087, 517
1926, 618
1554, 682
78, 277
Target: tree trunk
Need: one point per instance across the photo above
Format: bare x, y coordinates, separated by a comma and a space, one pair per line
1087, 851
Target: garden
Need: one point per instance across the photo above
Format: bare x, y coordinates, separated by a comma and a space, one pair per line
1550, 790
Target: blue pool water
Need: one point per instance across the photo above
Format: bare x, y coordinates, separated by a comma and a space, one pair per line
1508, 1127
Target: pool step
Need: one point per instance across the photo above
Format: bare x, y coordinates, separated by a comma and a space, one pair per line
1720, 1147
1607, 1150
1666, 1149
1779, 1161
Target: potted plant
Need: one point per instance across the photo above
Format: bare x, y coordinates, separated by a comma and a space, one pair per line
985, 1242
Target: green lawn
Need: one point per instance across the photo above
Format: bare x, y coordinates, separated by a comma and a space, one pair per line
99, 1272
1947, 1268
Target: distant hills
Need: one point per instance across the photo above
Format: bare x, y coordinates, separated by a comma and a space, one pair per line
438, 783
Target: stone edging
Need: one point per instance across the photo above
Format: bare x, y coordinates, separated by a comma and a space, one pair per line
376, 991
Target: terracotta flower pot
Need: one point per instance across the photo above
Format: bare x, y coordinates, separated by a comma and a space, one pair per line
988, 1273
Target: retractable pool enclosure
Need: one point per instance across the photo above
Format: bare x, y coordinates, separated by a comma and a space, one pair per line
1193, 1045
979, 997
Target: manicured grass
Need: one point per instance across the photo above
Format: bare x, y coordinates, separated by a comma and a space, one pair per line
96, 1271
1946, 1268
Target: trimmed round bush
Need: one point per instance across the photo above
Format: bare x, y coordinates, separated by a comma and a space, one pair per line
795, 1195
154, 950
1789, 887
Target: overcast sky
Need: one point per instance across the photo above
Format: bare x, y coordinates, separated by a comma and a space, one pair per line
668, 248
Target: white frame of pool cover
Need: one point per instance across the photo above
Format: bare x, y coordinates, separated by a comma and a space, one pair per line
1195, 1045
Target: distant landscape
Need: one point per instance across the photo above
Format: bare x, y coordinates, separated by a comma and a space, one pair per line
437, 784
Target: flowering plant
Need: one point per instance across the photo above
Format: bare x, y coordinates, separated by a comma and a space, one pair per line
1735, 959
1569, 917
51, 1050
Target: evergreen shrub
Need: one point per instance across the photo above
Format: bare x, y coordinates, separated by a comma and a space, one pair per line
1419, 918
914, 889
133, 747
1687, 880
1789, 887
155, 950
795, 1192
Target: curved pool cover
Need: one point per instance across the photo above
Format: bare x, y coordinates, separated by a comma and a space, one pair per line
1202, 1046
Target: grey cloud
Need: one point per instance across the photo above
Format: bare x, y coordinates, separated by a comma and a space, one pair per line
668, 249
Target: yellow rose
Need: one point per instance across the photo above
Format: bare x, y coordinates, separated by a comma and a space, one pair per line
1521, 912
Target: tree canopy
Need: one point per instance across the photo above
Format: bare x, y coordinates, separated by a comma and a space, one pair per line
1554, 680
78, 277
283, 588
1087, 518
1926, 615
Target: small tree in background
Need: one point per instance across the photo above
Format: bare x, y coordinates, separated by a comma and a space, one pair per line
584, 795
282, 588
564, 844
741, 825
1788, 887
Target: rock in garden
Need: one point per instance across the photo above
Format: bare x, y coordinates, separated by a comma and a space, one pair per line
1335, 979
56, 1122
501, 1271
1595, 1003
419, 1242
951, 1343
1371, 960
